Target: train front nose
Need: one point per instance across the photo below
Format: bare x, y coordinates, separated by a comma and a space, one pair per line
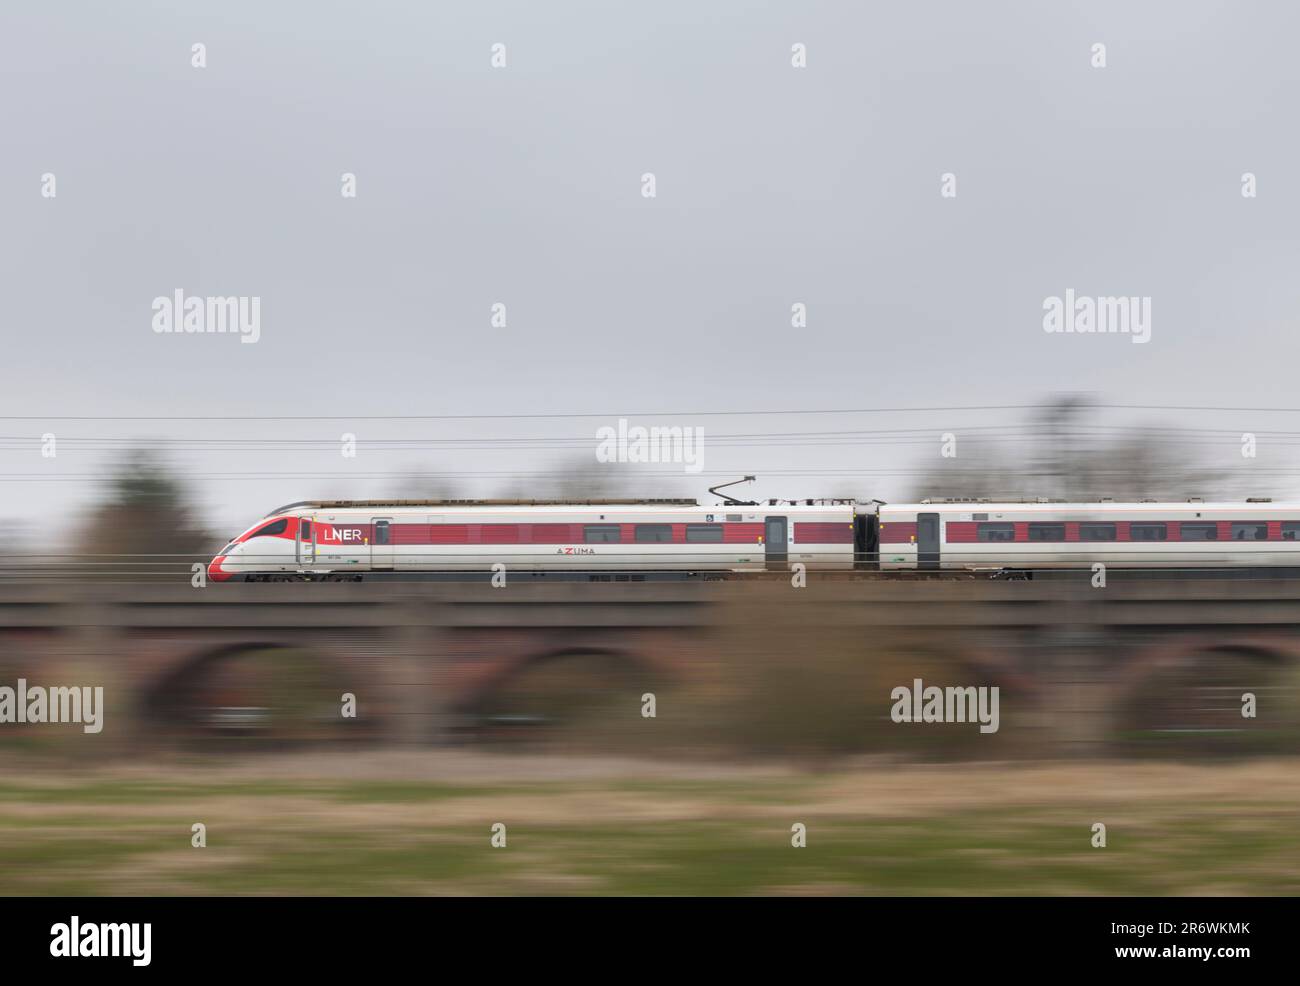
219, 567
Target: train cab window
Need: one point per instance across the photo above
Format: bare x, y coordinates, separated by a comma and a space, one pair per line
1047, 532
1096, 532
704, 533
1291, 530
381, 532
1200, 532
654, 533
602, 533
272, 529
1250, 532
1146, 532
996, 532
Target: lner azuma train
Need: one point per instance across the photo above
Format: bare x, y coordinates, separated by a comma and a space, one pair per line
634, 540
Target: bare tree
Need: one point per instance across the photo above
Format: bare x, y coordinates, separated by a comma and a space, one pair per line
1064, 456
145, 527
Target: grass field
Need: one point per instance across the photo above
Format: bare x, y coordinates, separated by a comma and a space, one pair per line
402, 822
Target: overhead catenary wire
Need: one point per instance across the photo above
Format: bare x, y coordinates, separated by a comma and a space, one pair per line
712, 412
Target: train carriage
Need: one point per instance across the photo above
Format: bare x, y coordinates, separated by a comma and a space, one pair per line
977, 536
347, 540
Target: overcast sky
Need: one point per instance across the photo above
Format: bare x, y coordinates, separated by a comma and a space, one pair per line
522, 185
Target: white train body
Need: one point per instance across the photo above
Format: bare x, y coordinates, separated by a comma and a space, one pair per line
343, 539
326, 540
1027, 536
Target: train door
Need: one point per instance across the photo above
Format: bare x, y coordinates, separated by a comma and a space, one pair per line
381, 542
305, 543
866, 541
927, 541
775, 542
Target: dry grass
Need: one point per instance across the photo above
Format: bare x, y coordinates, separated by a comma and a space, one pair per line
409, 822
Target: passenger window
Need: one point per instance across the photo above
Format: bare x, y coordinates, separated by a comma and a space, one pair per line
704, 533
602, 534
996, 532
1250, 532
1096, 532
1047, 532
654, 533
1200, 532
1290, 529
272, 529
1146, 532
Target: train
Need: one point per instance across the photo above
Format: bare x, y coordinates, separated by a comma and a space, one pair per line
633, 540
